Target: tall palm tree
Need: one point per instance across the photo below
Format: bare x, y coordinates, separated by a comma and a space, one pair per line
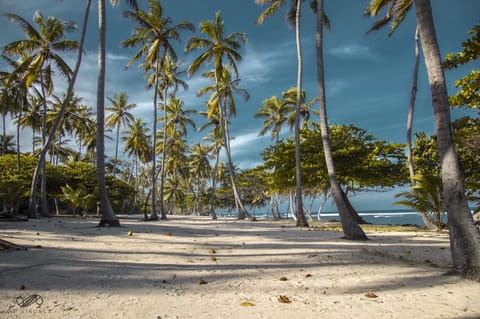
215, 138
294, 11
169, 79
137, 143
464, 236
39, 50
394, 16
217, 47
154, 34
108, 216
119, 116
350, 227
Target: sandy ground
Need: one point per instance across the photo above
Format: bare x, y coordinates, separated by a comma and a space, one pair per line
192, 267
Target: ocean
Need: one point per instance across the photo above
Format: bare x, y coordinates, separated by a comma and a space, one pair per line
377, 217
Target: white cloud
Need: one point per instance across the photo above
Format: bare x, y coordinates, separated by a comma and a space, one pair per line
258, 66
352, 51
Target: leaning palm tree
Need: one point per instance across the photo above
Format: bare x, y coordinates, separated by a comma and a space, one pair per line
293, 14
350, 227
395, 15
154, 34
119, 116
39, 50
217, 47
464, 236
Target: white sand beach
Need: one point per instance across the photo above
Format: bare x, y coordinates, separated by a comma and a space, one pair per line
192, 267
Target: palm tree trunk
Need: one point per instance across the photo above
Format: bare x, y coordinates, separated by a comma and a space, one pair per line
350, 227
214, 182
108, 215
4, 141
301, 220
116, 151
18, 139
163, 215
43, 182
241, 211
411, 110
32, 201
464, 236
154, 214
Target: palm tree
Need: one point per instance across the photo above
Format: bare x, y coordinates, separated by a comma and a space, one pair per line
216, 142
274, 112
169, 79
119, 116
464, 236
425, 196
394, 16
84, 123
108, 215
8, 144
217, 47
137, 143
154, 33
39, 50
294, 11
290, 98
200, 171
350, 227
32, 117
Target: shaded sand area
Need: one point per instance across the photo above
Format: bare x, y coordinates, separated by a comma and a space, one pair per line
192, 267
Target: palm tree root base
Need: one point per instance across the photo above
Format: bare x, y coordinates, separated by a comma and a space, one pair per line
109, 223
359, 237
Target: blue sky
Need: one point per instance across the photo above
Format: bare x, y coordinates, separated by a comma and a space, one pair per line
368, 77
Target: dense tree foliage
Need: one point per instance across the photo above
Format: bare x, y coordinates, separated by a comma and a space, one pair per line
363, 162
469, 93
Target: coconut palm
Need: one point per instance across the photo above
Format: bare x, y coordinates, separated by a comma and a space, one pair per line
200, 170
119, 116
137, 143
464, 236
293, 14
84, 123
394, 16
40, 52
217, 47
290, 98
425, 196
215, 138
108, 216
154, 34
274, 112
350, 227
169, 79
